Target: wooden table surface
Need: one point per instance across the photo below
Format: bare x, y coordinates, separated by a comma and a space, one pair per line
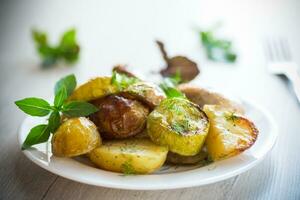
112, 32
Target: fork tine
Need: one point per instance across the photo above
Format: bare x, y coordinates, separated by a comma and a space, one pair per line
277, 49
268, 50
286, 49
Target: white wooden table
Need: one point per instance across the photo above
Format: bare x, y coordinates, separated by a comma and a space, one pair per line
112, 32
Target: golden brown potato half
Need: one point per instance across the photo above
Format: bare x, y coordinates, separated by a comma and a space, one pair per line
119, 117
76, 136
229, 133
131, 156
201, 97
94, 89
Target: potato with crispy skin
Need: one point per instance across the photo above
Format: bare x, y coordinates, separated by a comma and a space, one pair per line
130, 156
229, 133
179, 124
76, 136
119, 117
94, 89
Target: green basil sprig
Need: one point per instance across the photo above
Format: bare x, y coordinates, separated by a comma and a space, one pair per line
39, 107
217, 49
67, 49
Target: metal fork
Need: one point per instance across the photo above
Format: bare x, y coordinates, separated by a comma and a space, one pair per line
280, 62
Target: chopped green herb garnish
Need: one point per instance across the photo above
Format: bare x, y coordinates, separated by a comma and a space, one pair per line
231, 117
127, 168
39, 107
67, 49
181, 127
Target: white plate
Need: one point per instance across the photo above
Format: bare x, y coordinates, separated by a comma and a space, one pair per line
81, 170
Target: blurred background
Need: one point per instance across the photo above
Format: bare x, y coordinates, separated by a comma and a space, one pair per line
114, 32
124, 32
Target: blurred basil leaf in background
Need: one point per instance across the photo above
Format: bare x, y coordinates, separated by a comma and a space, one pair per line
67, 50
217, 49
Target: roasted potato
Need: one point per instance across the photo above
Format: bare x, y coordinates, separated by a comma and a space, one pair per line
202, 96
177, 159
119, 117
147, 93
131, 156
94, 89
229, 133
76, 136
179, 124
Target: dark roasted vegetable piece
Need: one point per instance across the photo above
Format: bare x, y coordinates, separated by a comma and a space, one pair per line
119, 117
175, 158
147, 93
187, 68
121, 69
179, 124
202, 96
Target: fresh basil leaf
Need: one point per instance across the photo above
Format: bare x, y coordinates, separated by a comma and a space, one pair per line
34, 106
68, 46
40, 38
68, 49
121, 81
68, 38
60, 97
37, 134
78, 109
48, 54
69, 82
54, 121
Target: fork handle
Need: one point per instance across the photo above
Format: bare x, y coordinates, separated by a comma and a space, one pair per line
295, 79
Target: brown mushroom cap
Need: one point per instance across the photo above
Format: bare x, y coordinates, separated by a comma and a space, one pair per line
201, 97
119, 117
187, 68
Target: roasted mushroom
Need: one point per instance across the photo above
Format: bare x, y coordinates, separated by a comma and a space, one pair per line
148, 93
178, 64
201, 97
119, 117
121, 69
